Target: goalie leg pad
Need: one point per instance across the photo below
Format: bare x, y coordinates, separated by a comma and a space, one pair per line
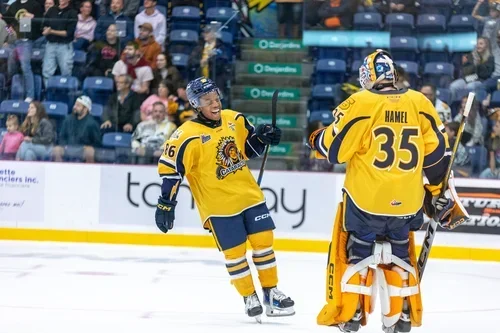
342, 304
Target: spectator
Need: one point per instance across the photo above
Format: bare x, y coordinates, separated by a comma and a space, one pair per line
165, 71
105, 54
121, 113
7, 35
493, 172
477, 66
165, 96
59, 29
130, 7
23, 46
79, 129
209, 58
312, 18
185, 111
442, 108
403, 81
41, 41
398, 6
149, 136
307, 160
337, 14
492, 19
115, 16
492, 33
153, 16
473, 131
461, 157
47, 5
85, 27
11, 140
194, 3
38, 134
134, 65
290, 12
149, 48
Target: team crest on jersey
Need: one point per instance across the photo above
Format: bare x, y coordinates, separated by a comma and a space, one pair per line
205, 138
229, 159
231, 125
176, 134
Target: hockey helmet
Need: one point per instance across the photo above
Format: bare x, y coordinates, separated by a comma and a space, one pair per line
199, 87
376, 67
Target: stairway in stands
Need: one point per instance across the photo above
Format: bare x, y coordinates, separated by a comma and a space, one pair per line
267, 65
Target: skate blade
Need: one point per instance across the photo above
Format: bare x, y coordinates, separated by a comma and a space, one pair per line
258, 319
273, 312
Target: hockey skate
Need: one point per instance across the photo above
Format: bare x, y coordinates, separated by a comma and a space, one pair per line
253, 308
352, 325
277, 303
402, 326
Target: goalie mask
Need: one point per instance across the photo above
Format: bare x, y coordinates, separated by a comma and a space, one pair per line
376, 68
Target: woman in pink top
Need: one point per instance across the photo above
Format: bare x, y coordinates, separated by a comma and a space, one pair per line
84, 33
164, 95
11, 140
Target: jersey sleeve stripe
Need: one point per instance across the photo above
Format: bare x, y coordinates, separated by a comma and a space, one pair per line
322, 148
179, 165
438, 153
337, 141
164, 161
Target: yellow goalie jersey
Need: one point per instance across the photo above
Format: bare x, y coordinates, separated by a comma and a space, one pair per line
387, 138
213, 159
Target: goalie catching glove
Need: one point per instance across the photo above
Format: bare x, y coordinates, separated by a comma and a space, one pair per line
165, 214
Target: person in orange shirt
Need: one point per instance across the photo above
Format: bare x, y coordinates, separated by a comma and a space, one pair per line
148, 46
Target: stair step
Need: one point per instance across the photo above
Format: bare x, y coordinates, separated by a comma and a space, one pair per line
264, 107
282, 70
266, 92
266, 56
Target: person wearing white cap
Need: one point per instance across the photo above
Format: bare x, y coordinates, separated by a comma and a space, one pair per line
80, 131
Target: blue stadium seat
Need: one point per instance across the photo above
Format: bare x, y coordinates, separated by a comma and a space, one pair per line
324, 116
431, 23
215, 3
322, 97
368, 21
462, 23
96, 112
62, 89
227, 40
37, 59
330, 71
479, 159
435, 50
185, 18
222, 15
411, 68
2, 133
117, 140
361, 53
400, 24
444, 95
442, 7
2, 86
180, 61
495, 99
439, 73
404, 48
17, 87
355, 67
56, 110
4, 53
183, 41
17, 107
98, 88
332, 53
79, 64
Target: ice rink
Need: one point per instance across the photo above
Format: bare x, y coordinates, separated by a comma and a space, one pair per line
73, 288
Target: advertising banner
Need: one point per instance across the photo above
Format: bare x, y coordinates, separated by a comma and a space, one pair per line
128, 195
22, 192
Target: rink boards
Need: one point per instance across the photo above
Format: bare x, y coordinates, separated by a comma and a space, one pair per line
116, 204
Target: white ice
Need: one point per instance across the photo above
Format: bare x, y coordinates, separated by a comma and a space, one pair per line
73, 288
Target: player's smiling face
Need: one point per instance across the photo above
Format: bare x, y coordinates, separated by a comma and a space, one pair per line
210, 106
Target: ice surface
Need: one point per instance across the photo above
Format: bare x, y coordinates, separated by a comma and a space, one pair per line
73, 288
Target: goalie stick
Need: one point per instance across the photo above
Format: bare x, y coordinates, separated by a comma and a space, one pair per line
274, 101
432, 226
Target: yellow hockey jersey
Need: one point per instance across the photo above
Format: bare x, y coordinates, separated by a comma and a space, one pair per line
213, 159
387, 138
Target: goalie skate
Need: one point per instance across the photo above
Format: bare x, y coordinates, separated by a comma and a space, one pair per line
277, 303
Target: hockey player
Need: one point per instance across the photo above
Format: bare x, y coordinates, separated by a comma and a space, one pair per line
388, 138
211, 151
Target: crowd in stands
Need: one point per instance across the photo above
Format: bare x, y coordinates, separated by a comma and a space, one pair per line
80, 79
442, 75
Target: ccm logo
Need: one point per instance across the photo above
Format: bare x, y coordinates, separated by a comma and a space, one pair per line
262, 217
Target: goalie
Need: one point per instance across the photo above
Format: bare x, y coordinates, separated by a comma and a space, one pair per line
387, 137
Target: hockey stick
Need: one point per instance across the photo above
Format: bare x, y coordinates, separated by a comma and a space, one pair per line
432, 227
273, 115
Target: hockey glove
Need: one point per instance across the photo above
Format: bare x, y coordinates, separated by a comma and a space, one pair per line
268, 135
312, 138
444, 207
165, 214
